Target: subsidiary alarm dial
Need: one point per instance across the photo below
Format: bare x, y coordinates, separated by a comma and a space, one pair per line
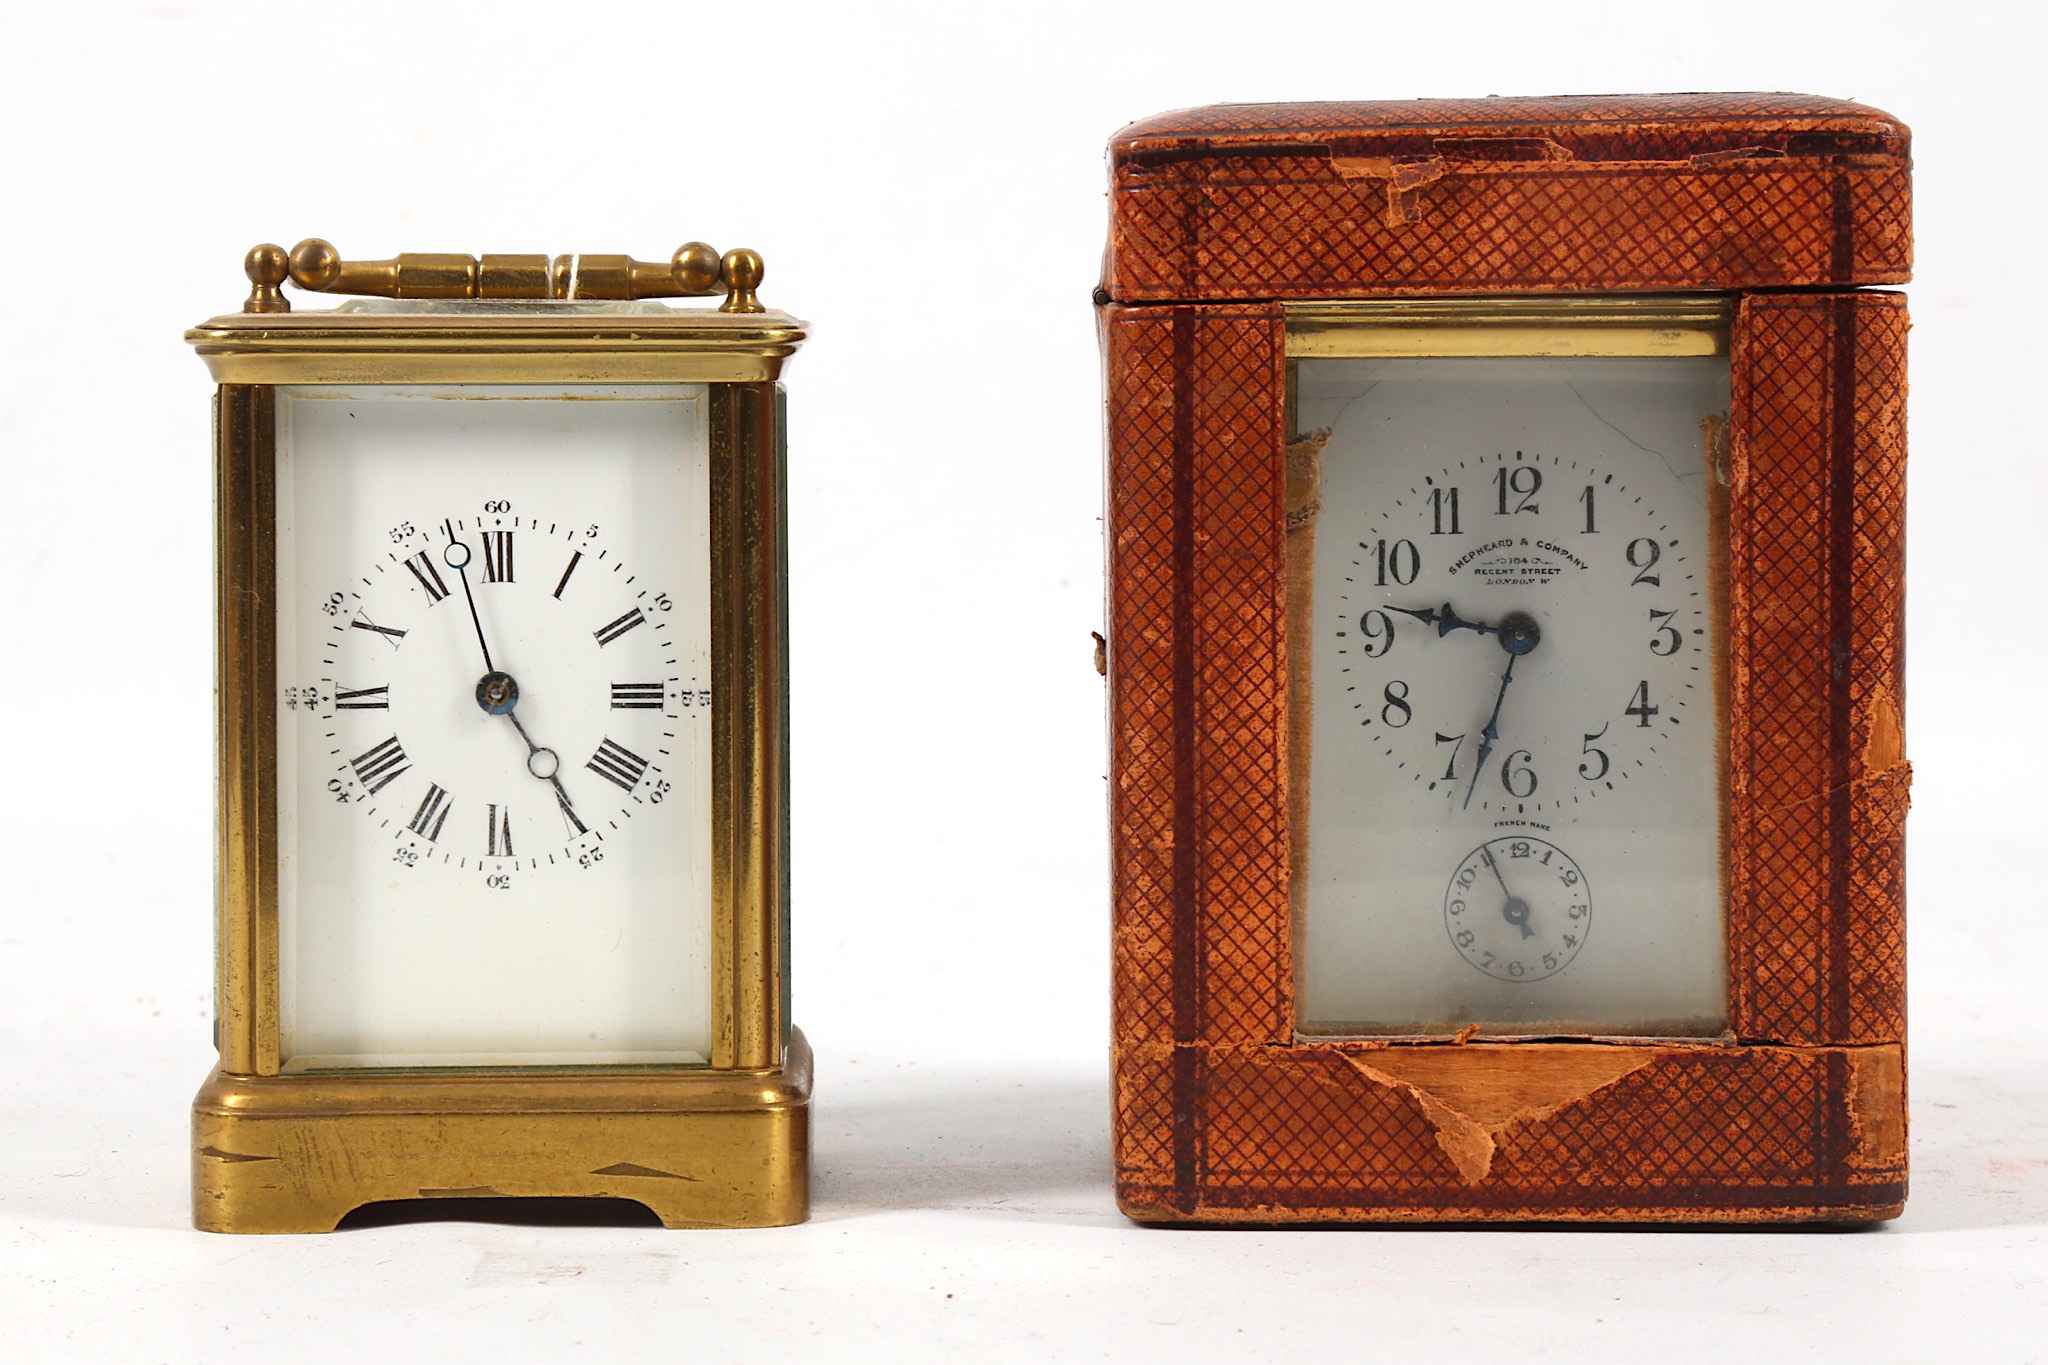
1518, 908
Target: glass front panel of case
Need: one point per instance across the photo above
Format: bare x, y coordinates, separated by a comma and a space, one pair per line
1514, 693
494, 785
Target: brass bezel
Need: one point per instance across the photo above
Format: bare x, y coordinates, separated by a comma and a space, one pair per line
536, 342
724, 1144
1655, 326
1564, 325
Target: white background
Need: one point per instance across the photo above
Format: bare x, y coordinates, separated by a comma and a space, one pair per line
927, 187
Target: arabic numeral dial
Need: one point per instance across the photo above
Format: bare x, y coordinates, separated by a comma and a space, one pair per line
1520, 632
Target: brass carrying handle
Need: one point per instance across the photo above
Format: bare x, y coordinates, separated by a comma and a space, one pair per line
695, 271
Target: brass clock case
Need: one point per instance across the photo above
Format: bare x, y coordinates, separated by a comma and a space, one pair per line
720, 1145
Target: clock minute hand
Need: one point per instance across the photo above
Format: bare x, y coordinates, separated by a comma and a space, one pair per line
1445, 620
1518, 634
1490, 734
461, 567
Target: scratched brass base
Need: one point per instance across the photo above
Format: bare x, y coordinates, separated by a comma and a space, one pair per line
698, 1148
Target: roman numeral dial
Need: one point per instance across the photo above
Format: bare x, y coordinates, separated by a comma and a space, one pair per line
497, 556
617, 764
484, 660
362, 699
499, 824
378, 766
612, 630
432, 815
568, 570
391, 634
636, 696
482, 704
422, 568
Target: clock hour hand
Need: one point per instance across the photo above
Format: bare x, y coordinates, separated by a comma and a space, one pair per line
1445, 620
498, 694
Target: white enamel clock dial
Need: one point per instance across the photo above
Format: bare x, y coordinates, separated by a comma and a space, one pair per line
1515, 790
494, 725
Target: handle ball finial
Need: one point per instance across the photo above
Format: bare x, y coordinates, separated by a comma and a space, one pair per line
695, 267
315, 264
267, 267
742, 270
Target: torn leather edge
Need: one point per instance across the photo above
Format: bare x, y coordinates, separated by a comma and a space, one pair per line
1870, 1104
1303, 502
1471, 1142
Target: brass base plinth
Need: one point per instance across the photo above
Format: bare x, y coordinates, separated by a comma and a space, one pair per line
699, 1148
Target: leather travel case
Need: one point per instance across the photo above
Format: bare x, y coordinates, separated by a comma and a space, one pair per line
1219, 219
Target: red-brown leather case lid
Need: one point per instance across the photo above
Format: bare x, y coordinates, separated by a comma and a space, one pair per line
1507, 195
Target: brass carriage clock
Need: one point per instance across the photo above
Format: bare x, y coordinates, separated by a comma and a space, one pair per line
1506, 661
502, 760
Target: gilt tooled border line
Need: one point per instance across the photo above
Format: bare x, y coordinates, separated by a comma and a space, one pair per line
1187, 896
1835, 1139
1841, 611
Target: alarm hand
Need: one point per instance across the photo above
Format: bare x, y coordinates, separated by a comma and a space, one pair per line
1514, 910
1445, 620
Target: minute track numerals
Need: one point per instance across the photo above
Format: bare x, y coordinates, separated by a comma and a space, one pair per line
1618, 600
575, 657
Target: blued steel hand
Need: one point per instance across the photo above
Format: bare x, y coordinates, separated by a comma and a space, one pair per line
1445, 620
1518, 635
1490, 733
1514, 909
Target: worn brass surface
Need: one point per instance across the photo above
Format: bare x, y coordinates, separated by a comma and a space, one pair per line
360, 1136
749, 795
267, 267
245, 701
562, 343
695, 270
742, 270
1607, 325
698, 1148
